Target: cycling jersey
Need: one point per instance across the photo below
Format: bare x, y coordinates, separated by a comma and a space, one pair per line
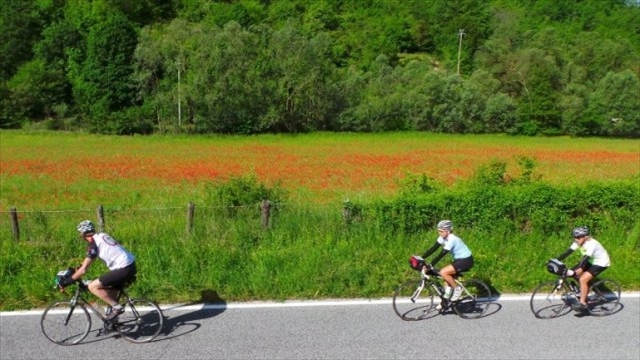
110, 251
458, 249
594, 250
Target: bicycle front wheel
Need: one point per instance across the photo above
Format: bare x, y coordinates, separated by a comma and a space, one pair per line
141, 321
550, 300
413, 300
604, 297
65, 324
474, 300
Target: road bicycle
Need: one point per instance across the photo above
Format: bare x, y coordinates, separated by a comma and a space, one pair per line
69, 322
414, 299
555, 298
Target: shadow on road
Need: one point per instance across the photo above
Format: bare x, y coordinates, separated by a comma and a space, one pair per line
185, 323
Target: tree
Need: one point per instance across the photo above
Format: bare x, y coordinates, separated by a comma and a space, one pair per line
615, 104
539, 79
35, 90
499, 114
573, 105
20, 27
165, 68
300, 75
448, 17
104, 83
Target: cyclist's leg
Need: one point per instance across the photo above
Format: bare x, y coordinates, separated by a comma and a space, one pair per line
106, 286
580, 275
103, 292
459, 266
448, 273
585, 279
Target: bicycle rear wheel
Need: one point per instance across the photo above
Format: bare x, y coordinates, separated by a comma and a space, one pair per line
474, 300
413, 300
604, 297
65, 324
141, 321
549, 301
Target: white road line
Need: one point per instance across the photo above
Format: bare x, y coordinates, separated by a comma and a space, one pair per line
296, 303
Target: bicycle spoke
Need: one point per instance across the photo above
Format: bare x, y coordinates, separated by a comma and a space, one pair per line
604, 297
141, 321
474, 300
64, 324
413, 300
548, 301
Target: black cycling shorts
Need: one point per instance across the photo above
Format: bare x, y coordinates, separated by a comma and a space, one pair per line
118, 277
463, 264
593, 269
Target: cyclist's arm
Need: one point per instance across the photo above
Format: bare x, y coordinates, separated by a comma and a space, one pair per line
440, 256
565, 254
431, 250
92, 253
83, 269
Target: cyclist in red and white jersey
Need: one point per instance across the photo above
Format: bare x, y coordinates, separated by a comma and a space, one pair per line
121, 264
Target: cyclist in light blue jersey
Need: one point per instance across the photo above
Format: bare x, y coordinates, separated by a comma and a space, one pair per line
462, 257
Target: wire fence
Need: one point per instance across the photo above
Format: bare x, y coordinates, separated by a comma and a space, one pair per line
43, 224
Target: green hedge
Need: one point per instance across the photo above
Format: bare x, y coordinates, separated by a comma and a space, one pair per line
536, 208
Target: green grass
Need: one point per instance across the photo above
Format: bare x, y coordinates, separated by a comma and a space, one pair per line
308, 252
305, 254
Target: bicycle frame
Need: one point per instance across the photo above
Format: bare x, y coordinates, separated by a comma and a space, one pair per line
571, 282
79, 298
426, 277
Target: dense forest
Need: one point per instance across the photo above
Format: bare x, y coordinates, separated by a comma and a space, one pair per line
528, 67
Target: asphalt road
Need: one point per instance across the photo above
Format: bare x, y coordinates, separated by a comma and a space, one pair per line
356, 329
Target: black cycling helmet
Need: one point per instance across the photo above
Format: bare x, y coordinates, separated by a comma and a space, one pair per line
580, 231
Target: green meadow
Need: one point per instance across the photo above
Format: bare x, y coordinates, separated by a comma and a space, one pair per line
346, 210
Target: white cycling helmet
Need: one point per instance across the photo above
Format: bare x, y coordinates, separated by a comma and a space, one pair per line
445, 225
580, 231
86, 227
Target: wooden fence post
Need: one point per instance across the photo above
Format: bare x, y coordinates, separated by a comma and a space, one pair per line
266, 212
100, 218
351, 212
190, 210
14, 223
346, 211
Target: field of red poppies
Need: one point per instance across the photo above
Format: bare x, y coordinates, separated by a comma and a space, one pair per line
48, 171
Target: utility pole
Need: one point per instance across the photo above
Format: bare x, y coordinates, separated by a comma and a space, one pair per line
461, 34
179, 110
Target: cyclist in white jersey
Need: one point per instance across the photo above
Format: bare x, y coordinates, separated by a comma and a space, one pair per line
595, 260
462, 257
121, 264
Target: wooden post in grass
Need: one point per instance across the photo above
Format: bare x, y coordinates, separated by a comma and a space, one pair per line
346, 211
190, 210
14, 223
100, 218
266, 212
